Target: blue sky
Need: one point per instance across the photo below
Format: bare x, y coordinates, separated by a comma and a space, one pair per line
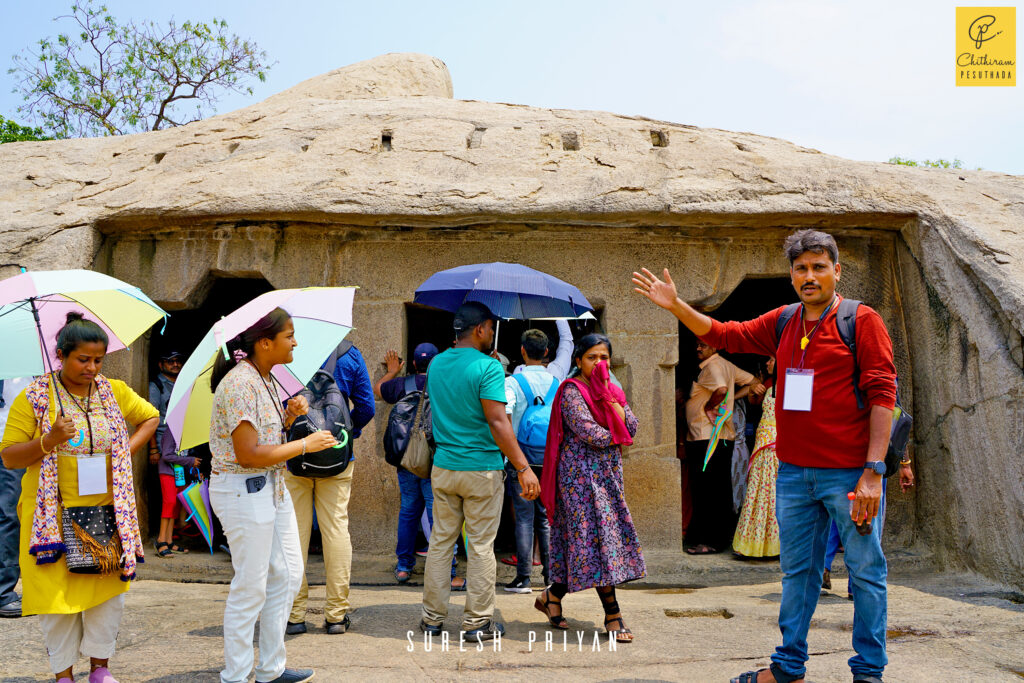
863, 80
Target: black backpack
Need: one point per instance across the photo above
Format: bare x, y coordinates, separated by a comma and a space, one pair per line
846, 323
328, 409
401, 421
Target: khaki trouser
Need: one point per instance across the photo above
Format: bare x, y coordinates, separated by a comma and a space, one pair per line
473, 498
330, 496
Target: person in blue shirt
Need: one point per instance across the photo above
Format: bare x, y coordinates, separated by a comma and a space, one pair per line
330, 496
353, 379
10, 491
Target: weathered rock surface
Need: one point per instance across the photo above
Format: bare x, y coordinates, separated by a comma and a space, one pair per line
352, 148
390, 75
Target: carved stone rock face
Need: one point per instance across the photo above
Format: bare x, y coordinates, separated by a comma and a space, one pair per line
373, 175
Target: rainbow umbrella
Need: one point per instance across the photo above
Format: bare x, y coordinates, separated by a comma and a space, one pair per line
716, 430
34, 306
196, 499
322, 317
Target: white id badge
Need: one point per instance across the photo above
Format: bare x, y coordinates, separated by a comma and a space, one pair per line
92, 474
799, 388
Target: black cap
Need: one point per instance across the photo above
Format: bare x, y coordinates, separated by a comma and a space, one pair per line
471, 314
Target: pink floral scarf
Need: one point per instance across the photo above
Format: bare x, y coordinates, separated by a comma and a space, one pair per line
46, 542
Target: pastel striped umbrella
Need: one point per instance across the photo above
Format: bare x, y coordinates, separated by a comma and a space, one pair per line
721, 417
322, 317
34, 306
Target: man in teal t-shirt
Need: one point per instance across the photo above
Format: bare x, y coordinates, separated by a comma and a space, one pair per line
467, 404
461, 377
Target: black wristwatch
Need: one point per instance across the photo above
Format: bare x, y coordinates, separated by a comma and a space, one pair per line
876, 466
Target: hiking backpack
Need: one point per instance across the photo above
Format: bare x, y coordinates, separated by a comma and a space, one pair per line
532, 434
846, 323
328, 409
401, 421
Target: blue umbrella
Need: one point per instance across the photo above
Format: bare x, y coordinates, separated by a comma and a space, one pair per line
510, 290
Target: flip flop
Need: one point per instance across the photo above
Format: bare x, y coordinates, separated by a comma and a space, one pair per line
461, 587
163, 549
401, 576
701, 549
513, 561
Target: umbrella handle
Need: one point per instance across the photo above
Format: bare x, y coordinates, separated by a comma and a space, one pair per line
343, 443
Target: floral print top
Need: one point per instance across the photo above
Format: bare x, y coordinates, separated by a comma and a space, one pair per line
244, 396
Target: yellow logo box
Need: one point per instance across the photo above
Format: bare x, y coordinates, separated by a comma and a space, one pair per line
986, 46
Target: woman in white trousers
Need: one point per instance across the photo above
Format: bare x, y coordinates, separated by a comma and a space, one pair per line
248, 494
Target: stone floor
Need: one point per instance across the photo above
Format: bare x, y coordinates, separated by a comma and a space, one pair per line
702, 624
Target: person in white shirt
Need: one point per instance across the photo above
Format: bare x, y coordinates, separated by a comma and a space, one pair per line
561, 364
533, 385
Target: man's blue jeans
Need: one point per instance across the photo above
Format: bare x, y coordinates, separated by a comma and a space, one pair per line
10, 532
806, 498
416, 496
531, 518
832, 547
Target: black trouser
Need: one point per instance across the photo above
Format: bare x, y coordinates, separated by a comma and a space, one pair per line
714, 521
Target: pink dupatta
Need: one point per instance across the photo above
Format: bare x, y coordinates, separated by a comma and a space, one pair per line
597, 395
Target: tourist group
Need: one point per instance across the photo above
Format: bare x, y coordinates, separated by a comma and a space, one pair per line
250, 436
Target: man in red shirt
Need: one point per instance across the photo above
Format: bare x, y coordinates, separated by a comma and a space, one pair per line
827, 446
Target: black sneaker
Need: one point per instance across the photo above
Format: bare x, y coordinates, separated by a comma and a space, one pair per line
432, 629
521, 584
486, 632
337, 628
292, 676
294, 628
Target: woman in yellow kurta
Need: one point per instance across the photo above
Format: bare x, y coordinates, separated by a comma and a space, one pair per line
78, 612
757, 533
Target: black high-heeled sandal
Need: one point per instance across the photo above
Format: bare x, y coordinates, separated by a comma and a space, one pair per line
611, 606
623, 634
542, 602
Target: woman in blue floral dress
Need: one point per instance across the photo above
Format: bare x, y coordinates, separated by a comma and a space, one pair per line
593, 541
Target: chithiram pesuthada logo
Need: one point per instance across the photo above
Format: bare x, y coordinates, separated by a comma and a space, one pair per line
986, 46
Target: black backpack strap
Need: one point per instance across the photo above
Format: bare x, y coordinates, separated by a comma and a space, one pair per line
332, 361
846, 323
784, 317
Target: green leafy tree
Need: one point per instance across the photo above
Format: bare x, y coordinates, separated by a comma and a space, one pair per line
932, 163
105, 78
12, 132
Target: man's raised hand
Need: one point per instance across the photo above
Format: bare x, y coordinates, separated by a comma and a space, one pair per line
661, 292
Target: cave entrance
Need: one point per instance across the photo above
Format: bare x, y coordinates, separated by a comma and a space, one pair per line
753, 297
185, 329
